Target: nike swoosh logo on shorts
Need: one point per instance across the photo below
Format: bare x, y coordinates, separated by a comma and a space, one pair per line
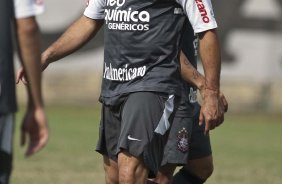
132, 139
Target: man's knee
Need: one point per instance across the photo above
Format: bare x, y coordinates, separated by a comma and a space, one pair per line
205, 173
131, 169
197, 171
202, 168
165, 174
111, 171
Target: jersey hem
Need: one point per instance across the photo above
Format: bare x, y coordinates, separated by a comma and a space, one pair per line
110, 100
203, 29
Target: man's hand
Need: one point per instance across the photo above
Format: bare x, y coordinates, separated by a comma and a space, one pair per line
224, 103
213, 108
21, 73
21, 76
34, 130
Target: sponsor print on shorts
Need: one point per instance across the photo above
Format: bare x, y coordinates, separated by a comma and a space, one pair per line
118, 18
182, 144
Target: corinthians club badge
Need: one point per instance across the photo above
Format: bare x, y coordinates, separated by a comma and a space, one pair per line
183, 143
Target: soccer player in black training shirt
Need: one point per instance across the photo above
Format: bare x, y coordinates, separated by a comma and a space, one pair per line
141, 82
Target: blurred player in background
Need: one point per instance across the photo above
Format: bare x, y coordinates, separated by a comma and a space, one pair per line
141, 77
187, 143
34, 128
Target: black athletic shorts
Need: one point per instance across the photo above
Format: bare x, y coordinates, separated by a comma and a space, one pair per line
138, 125
186, 140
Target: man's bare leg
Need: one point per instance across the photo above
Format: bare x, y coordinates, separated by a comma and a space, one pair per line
202, 167
197, 171
164, 175
111, 171
131, 170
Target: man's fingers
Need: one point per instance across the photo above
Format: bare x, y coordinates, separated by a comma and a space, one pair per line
207, 128
224, 102
23, 79
36, 145
201, 118
33, 147
220, 120
222, 110
19, 75
17, 79
212, 124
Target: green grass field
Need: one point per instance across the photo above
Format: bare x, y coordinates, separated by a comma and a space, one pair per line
247, 149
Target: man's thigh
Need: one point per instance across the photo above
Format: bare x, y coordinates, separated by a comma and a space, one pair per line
111, 170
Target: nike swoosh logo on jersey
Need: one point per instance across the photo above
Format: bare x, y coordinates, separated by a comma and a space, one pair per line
132, 139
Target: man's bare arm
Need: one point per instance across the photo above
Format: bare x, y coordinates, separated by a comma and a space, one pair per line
209, 48
34, 125
78, 34
191, 75
29, 52
210, 57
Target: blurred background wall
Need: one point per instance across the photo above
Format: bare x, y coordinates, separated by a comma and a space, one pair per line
251, 39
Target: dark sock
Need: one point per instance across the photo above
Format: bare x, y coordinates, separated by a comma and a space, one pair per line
184, 177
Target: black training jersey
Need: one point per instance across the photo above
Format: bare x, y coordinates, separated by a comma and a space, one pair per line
142, 41
7, 82
189, 46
